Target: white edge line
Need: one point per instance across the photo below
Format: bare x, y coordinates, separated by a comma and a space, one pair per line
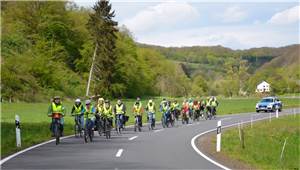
119, 153
30, 148
211, 130
132, 137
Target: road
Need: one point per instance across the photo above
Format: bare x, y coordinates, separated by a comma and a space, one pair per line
168, 148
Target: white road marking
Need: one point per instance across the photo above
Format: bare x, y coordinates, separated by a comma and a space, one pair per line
189, 124
119, 153
193, 142
158, 130
132, 138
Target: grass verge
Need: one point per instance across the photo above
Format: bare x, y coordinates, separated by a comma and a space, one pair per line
263, 144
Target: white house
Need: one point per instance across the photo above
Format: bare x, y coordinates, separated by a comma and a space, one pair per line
263, 87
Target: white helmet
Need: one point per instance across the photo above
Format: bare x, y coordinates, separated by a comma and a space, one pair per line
87, 102
77, 101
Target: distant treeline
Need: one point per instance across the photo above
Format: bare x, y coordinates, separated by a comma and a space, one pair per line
47, 49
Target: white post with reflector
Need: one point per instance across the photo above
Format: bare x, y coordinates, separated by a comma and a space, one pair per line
219, 136
277, 111
18, 131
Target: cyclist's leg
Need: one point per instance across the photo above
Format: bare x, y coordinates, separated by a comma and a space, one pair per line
52, 127
62, 126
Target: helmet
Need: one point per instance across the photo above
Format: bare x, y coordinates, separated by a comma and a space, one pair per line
138, 98
100, 99
88, 102
106, 101
56, 97
77, 100
119, 101
150, 101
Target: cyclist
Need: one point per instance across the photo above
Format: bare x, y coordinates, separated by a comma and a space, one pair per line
175, 109
119, 111
99, 111
138, 111
77, 112
165, 110
89, 114
213, 105
190, 104
207, 106
56, 107
107, 114
150, 108
196, 109
185, 112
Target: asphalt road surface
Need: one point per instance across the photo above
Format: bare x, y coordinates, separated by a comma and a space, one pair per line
168, 148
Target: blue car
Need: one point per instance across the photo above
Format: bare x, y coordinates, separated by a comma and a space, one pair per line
269, 104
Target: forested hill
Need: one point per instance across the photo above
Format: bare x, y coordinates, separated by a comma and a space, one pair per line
47, 49
279, 66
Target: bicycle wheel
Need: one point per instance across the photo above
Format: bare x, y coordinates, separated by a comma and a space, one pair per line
57, 133
85, 135
75, 130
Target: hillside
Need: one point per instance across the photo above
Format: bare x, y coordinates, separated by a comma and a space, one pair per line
213, 63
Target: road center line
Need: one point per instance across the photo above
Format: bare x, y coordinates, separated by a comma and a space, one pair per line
119, 153
132, 138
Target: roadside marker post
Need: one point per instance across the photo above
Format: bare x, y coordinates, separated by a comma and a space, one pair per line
276, 113
18, 130
218, 148
270, 116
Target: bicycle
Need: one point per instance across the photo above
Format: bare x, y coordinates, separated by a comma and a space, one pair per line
184, 117
57, 127
107, 127
151, 123
88, 131
165, 119
137, 124
99, 125
119, 124
77, 126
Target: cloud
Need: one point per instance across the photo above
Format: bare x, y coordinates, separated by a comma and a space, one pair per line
233, 14
163, 15
287, 16
235, 37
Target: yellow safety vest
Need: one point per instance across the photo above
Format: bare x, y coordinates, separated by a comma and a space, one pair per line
138, 109
57, 108
151, 108
107, 112
78, 109
214, 103
119, 109
88, 112
100, 108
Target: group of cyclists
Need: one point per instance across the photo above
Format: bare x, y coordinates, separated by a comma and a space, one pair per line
103, 116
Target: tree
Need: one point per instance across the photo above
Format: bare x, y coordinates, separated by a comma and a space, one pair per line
103, 29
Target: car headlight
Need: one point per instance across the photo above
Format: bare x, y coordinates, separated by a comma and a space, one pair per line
257, 105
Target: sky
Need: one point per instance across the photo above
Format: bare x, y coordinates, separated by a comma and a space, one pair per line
237, 24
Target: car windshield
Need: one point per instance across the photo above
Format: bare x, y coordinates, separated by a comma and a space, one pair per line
266, 100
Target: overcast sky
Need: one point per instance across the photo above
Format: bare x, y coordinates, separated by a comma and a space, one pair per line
237, 24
